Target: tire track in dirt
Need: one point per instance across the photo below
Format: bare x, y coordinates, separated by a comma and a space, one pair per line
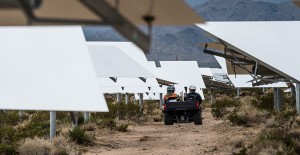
213, 137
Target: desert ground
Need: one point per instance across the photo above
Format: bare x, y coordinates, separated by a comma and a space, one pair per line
213, 137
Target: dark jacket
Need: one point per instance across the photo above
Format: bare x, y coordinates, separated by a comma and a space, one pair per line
193, 96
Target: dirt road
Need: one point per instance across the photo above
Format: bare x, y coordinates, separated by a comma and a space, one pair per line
213, 137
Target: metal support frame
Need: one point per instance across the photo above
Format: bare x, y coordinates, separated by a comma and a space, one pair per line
264, 90
141, 101
278, 98
52, 124
114, 79
293, 91
126, 28
143, 79
108, 14
126, 98
86, 116
74, 119
238, 91
298, 97
239, 60
119, 98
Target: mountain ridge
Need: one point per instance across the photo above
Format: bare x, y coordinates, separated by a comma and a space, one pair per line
179, 42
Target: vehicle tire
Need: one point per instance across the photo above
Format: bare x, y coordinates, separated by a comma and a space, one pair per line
168, 118
198, 117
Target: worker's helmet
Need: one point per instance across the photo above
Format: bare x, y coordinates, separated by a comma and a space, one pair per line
192, 87
170, 88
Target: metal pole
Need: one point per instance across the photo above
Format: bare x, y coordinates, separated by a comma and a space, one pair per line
134, 99
238, 93
293, 91
119, 97
21, 113
126, 98
86, 116
161, 101
52, 124
277, 99
280, 99
212, 97
264, 90
141, 100
298, 97
74, 119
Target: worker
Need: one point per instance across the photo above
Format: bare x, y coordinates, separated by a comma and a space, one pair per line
193, 95
171, 96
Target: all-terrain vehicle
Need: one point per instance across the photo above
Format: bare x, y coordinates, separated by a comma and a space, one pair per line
182, 112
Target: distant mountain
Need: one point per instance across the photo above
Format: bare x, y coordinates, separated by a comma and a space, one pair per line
274, 1
179, 43
247, 10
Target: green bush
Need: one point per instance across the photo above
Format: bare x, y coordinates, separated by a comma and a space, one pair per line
223, 107
62, 117
285, 115
134, 112
237, 119
78, 135
150, 107
9, 118
122, 127
109, 123
8, 140
122, 110
39, 126
80, 119
112, 114
265, 102
7, 149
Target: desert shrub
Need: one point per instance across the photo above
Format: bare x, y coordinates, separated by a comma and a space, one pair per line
122, 127
107, 123
35, 146
122, 110
9, 118
223, 107
274, 140
286, 115
279, 137
248, 115
237, 119
264, 102
62, 117
78, 135
157, 118
134, 112
38, 126
89, 127
113, 111
150, 106
57, 146
61, 146
8, 140
80, 118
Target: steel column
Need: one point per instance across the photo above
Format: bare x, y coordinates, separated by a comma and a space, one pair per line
52, 124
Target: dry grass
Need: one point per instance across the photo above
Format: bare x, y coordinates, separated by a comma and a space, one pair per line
89, 127
157, 118
38, 146
237, 141
247, 114
35, 146
266, 148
